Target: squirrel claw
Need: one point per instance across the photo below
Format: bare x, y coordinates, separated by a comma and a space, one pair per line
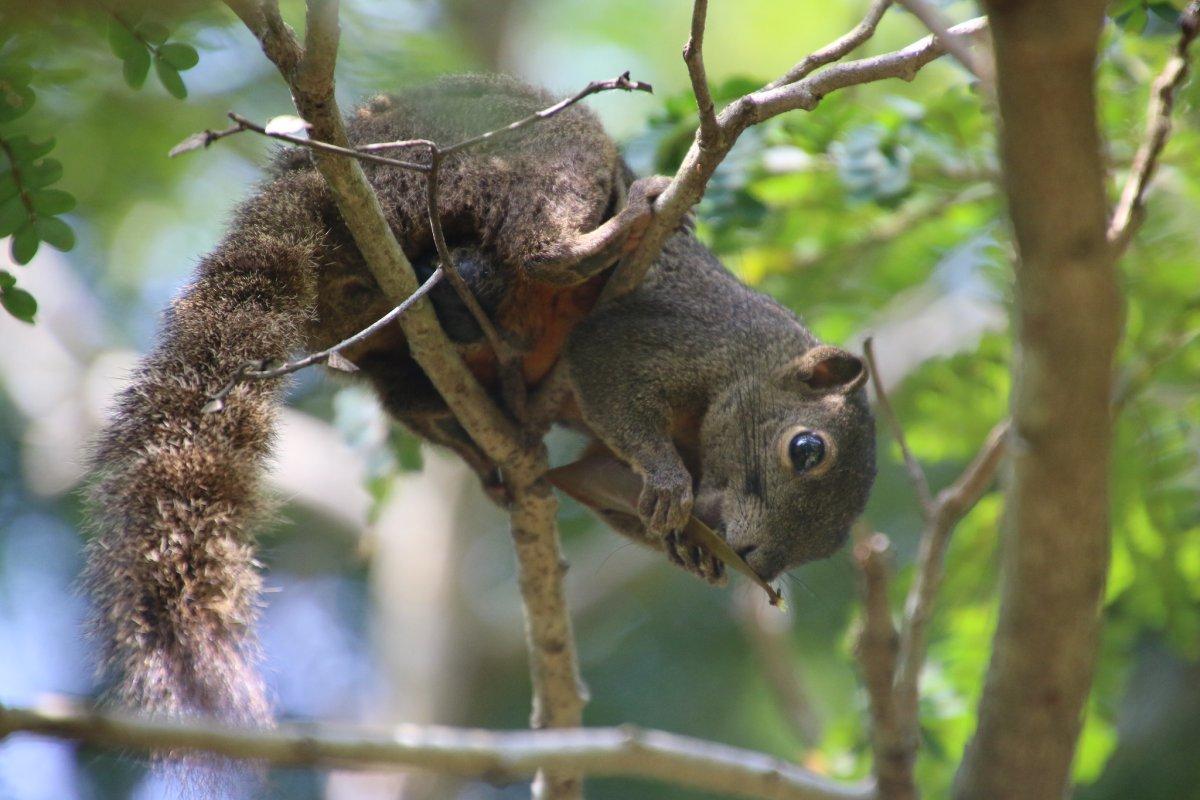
694, 558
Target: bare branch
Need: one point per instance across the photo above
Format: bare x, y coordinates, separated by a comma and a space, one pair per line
935, 21
916, 475
506, 357
903, 64
314, 144
1067, 307
836, 49
622, 82
876, 652
1127, 216
559, 698
699, 164
693, 55
257, 371
953, 503
497, 757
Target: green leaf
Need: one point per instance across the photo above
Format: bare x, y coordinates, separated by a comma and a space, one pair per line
179, 55
53, 201
7, 281
136, 67
153, 32
19, 303
169, 77
15, 101
24, 244
16, 72
25, 150
122, 41
8, 185
43, 173
13, 215
54, 232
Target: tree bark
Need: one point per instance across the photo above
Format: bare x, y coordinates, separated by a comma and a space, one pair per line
1068, 319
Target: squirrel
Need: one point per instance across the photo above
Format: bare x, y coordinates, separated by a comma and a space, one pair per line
719, 398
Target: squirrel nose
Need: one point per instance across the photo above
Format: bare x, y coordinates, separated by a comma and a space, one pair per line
746, 550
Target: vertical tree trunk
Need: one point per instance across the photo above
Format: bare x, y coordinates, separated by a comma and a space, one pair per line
1068, 318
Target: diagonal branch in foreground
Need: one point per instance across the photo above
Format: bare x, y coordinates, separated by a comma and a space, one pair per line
308, 70
494, 756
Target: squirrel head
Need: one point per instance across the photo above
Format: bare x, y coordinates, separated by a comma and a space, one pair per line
788, 460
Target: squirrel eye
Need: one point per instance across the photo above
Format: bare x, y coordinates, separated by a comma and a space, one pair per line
806, 450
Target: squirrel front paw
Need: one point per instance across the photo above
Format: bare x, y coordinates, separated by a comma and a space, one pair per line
665, 502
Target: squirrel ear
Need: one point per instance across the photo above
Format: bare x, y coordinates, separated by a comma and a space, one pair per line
825, 369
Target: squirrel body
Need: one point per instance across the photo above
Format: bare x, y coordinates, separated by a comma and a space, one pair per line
718, 397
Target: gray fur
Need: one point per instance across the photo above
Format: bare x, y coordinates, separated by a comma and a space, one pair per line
537, 220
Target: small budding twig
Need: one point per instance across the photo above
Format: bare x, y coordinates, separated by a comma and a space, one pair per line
1127, 215
836, 49
956, 46
693, 55
876, 647
916, 475
895, 722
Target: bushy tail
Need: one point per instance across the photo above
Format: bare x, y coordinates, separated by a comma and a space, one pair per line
171, 565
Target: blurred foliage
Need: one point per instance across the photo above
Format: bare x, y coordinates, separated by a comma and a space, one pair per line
876, 212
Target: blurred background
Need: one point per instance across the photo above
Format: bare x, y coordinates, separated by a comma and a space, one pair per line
392, 592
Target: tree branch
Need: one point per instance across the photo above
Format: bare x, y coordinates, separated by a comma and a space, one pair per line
896, 733
1127, 216
776, 98
257, 371
875, 649
557, 689
709, 133
497, 757
1068, 319
916, 475
837, 49
952, 504
933, 19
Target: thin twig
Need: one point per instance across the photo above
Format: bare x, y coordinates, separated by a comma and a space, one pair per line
935, 21
1127, 216
875, 649
687, 187
622, 82
709, 133
495, 756
916, 475
512, 382
1137, 380
255, 371
325, 147
952, 504
836, 49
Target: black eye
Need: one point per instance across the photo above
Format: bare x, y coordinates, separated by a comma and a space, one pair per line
806, 450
